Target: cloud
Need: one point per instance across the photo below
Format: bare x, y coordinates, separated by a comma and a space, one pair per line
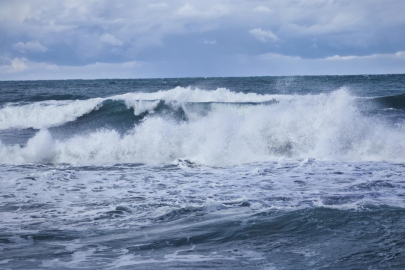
161, 5
209, 42
263, 9
22, 68
273, 56
280, 64
80, 33
110, 39
275, 64
398, 55
18, 64
31, 46
349, 57
263, 35
190, 11
14, 65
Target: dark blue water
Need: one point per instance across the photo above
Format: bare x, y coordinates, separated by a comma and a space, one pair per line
194, 173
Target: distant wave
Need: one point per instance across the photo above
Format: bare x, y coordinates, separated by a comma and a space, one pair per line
213, 128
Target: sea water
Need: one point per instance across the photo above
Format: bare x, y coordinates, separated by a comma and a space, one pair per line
228, 173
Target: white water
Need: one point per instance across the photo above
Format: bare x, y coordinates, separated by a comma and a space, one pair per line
45, 114
142, 106
325, 126
188, 94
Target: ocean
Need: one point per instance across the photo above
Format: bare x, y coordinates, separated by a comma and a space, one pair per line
301, 172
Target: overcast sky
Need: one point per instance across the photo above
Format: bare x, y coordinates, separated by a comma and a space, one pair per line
67, 39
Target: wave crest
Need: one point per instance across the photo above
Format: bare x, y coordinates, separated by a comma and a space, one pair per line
325, 126
45, 114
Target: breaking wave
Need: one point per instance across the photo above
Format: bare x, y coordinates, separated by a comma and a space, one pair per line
44, 114
215, 128
52, 113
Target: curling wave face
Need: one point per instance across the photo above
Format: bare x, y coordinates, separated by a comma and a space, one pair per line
215, 128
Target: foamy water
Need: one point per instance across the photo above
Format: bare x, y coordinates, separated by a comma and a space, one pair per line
287, 175
222, 128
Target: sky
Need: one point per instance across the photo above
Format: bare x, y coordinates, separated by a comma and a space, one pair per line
92, 39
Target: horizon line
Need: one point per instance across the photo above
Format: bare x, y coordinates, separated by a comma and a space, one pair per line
205, 77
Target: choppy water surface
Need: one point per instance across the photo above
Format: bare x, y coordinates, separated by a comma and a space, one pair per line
245, 173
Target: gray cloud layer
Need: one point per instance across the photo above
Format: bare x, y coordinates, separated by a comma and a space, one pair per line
129, 39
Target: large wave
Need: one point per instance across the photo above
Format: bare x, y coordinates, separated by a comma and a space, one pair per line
222, 128
52, 113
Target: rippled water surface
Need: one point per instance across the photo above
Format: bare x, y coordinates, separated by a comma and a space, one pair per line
223, 173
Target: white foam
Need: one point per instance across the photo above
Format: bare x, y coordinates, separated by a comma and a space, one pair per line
325, 127
78, 259
47, 114
132, 260
142, 106
44, 114
188, 94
